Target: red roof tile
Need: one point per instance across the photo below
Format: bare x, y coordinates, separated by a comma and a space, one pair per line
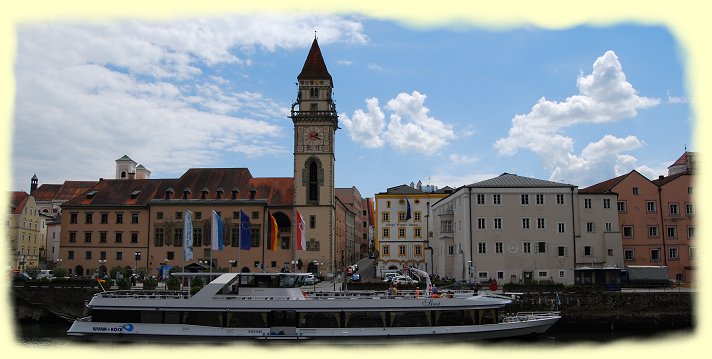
314, 66
18, 200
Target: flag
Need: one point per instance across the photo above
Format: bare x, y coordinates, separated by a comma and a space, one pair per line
273, 233
301, 233
187, 235
245, 237
216, 231
407, 209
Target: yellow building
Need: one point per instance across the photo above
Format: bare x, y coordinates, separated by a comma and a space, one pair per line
26, 231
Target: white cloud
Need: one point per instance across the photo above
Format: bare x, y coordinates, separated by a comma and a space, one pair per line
462, 159
367, 127
604, 96
375, 67
410, 128
344, 62
675, 100
150, 90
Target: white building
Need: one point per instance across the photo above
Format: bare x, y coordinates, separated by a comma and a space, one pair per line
519, 229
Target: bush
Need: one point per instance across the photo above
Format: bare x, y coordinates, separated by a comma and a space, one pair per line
60, 273
150, 283
173, 283
124, 283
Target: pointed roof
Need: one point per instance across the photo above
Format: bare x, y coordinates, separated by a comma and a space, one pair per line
684, 159
508, 180
124, 158
314, 66
18, 199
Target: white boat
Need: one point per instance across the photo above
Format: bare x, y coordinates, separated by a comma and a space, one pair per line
274, 306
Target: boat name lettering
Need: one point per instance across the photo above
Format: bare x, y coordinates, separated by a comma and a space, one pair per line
430, 303
126, 328
255, 331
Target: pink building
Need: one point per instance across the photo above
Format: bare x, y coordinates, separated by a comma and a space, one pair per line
656, 218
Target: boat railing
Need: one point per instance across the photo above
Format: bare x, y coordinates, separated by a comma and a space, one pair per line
144, 294
527, 316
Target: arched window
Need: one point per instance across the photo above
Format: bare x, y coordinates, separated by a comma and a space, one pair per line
313, 182
123, 174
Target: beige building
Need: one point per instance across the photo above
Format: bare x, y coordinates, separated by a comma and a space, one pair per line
403, 222
519, 229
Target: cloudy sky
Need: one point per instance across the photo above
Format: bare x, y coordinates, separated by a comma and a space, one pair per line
446, 105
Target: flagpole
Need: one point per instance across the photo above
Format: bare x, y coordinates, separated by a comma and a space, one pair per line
264, 235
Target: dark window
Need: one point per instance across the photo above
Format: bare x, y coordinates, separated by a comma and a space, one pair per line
134, 237
159, 215
70, 255
312, 221
104, 218
102, 237
119, 218
73, 218
87, 237
134, 217
119, 256
119, 237
313, 182
88, 217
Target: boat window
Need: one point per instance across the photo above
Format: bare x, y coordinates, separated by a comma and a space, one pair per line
283, 318
410, 319
320, 320
365, 319
172, 318
247, 319
454, 317
212, 319
151, 316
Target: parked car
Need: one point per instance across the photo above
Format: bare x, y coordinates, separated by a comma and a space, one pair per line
310, 280
388, 277
401, 279
356, 277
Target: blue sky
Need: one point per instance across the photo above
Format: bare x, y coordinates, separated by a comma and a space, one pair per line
447, 105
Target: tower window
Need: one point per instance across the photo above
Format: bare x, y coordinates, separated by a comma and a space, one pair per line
313, 182
313, 92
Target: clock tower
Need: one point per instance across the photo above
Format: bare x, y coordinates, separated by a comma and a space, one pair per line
315, 123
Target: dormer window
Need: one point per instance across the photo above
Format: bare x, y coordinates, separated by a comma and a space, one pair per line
135, 193
91, 194
235, 191
169, 193
186, 192
219, 193
204, 193
253, 192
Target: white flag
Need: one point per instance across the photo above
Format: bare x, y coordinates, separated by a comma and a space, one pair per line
187, 235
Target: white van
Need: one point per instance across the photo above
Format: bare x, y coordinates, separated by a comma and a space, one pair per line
45, 274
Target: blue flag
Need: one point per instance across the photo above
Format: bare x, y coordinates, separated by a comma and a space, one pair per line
216, 231
407, 209
245, 239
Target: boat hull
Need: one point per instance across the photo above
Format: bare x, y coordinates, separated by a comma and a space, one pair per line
84, 329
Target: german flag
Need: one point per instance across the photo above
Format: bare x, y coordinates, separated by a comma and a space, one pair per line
273, 233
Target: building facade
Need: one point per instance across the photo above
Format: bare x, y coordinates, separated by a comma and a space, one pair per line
26, 232
137, 222
519, 229
656, 218
403, 224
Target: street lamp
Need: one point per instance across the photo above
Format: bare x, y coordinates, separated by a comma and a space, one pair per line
469, 272
294, 266
57, 262
233, 263
137, 257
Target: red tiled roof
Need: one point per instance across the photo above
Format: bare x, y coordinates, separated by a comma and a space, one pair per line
46, 192
683, 159
605, 186
18, 200
314, 66
667, 179
279, 191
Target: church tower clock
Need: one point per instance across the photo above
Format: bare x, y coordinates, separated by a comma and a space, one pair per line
315, 123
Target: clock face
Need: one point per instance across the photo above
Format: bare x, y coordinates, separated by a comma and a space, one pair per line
313, 139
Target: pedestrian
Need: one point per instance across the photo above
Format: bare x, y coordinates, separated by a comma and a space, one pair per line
395, 291
429, 290
417, 292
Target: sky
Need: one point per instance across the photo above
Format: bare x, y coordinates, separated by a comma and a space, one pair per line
447, 105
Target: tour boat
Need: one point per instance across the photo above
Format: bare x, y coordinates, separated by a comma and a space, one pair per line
275, 306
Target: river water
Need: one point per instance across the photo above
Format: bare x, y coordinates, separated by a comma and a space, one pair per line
53, 334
